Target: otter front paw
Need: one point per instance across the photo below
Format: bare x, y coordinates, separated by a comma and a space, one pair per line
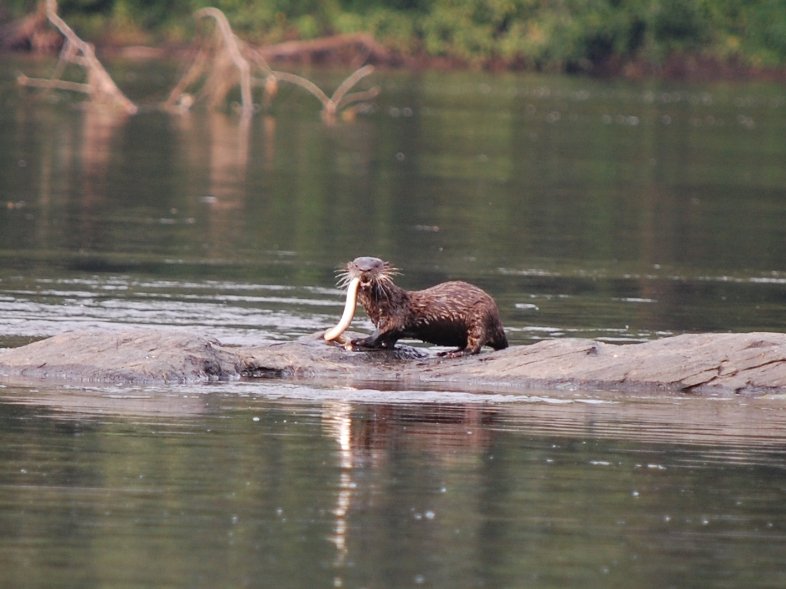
364, 343
369, 344
453, 353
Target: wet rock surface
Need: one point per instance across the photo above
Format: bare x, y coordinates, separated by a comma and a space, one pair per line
708, 363
133, 356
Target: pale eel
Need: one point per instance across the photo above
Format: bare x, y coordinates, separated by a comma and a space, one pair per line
349, 312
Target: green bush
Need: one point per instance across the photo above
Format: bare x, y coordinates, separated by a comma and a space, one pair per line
765, 41
544, 34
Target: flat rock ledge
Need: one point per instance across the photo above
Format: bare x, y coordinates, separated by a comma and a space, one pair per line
707, 363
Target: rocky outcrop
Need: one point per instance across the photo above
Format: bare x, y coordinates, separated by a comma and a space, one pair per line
710, 363
133, 356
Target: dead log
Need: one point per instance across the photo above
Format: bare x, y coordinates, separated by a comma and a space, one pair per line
354, 47
99, 85
222, 62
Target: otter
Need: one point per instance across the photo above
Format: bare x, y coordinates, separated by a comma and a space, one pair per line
452, 313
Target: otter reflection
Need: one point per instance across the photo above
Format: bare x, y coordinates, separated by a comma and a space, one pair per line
367, 435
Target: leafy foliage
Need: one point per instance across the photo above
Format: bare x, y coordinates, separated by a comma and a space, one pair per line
543, 34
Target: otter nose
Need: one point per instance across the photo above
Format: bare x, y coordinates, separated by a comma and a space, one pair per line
367, 263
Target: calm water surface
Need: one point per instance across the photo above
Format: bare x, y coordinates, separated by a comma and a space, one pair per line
249, 485
589, 208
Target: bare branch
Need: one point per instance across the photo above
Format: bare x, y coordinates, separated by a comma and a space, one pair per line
53, 83
331, 105
306, 84
229, 62
351, 80
363, 96
233, 49
192, 75
100, 86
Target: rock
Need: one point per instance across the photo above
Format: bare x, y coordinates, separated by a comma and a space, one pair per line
712, 363
751, 362
129, 356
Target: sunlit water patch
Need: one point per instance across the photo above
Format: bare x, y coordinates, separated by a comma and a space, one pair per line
236, 313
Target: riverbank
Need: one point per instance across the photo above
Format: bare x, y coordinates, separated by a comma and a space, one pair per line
655, 39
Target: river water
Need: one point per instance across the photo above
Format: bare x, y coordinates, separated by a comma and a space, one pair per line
590, 208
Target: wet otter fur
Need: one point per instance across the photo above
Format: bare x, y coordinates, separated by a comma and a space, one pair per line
449, 314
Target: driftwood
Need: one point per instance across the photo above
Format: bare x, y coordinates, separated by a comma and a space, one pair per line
224, 61
704, 363
30, 33
221, 62
361, 46
341, 98
99, 85
224, 64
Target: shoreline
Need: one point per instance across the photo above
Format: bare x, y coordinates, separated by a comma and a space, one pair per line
689, 67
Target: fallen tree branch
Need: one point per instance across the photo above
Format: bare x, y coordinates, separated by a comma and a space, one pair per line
304, 83
233, 51
224, 61
360, 44
178, 97
223, 64
332, 104
99, 86
53, 84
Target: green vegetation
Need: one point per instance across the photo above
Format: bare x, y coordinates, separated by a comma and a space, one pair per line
568, 35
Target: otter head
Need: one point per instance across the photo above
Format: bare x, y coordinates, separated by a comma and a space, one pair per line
372, 277
369, 270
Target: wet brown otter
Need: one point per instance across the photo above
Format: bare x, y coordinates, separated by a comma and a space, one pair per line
448, 314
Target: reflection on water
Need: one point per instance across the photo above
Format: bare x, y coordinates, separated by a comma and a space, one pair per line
588, 208
303, 486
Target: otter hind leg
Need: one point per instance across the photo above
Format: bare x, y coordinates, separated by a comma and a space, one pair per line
475, 339
478, 336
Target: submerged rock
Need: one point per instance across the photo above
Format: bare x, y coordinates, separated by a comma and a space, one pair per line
719, 363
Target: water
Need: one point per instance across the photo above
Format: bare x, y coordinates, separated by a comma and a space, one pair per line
614, 210
245, 485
